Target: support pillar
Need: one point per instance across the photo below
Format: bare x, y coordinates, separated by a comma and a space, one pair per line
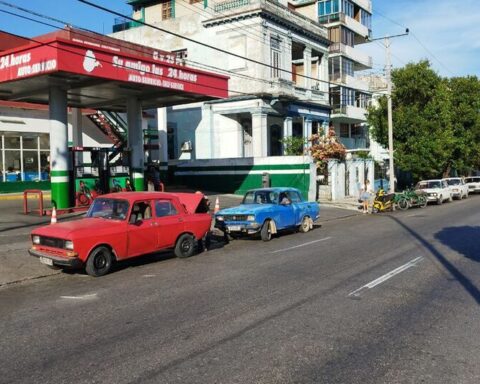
59, 156
287, 131
77, 128
307, 132
307, 65
162, 141
259, 134
135, 142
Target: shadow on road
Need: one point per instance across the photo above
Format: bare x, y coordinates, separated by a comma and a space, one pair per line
464, 240
466, 283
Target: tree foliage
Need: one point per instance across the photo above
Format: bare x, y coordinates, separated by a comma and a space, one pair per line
436, 123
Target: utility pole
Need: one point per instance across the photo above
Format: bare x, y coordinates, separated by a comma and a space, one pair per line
388, 75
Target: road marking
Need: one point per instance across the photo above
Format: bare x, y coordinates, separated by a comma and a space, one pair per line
387, 276
81, 297
148, 276
301, 245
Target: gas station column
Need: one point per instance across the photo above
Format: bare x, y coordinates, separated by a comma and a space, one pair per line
135, 142
59, 156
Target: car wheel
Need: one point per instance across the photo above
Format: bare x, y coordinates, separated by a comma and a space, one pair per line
185, 246
403, 204
304, 225
266, 232
99, 262
440, 200
450, 199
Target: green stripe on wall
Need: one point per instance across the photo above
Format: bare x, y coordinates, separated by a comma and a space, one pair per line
59, 173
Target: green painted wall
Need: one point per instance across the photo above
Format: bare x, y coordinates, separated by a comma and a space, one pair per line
20, 186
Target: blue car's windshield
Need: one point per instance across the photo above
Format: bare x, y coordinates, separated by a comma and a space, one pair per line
260, 197
113, 209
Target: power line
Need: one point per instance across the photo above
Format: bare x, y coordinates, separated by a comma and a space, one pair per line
418, 41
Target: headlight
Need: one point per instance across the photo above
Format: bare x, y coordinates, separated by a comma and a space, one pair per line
220, 218
36, 239
251, 218
69, 245
434, 194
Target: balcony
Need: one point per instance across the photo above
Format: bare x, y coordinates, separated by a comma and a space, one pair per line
343, 19
229, 5
350, 81
354, 54
349, 114
354, 143
122, 24
365, 4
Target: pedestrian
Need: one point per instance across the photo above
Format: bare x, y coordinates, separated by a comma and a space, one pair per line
366, 196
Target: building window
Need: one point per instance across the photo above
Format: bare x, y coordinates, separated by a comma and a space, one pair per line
344, 130
357, 131
348, 37
167, 10
328, 7
275, 55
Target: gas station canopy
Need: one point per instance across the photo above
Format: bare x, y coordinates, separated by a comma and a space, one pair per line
100, 72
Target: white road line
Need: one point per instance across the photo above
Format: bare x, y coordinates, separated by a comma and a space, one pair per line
148, 276
81, 297
387, 276
301, 245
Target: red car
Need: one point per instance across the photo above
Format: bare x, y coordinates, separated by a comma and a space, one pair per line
122, 225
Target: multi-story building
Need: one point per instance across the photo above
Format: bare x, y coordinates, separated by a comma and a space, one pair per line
349, 26
278, 73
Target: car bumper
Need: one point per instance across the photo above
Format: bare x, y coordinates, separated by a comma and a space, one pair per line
72, 262
432, 198
247, 228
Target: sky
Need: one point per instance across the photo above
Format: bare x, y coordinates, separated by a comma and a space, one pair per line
446, 32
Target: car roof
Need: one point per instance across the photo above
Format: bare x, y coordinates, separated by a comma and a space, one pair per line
274, 189
189, 200
424, 181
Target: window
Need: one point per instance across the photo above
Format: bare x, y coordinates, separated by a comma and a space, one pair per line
344, 130
327, 7
347, 8
140, 211
167, 10
348, 37
275, 51
164, 208
357, 131
294, 197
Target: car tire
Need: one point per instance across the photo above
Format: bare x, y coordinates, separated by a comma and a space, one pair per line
304, 225
450, 199
185, 246
99, 262
440, 200
266, 232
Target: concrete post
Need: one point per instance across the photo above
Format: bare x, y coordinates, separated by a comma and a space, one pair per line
135, 142
77, 128
162, 139
59, 156
307, 132
259, 134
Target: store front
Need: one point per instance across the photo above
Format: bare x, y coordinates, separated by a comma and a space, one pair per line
24, 156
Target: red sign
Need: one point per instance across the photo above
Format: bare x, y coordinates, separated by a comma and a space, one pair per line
108, 61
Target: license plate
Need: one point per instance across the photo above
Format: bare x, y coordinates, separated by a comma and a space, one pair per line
234, 228
46, 260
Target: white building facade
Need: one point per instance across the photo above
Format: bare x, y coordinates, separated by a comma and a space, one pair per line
278, 85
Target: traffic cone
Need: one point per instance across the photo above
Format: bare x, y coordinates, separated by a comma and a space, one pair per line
53, 220
217, 206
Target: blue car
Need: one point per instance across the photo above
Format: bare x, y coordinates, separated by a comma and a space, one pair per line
266, 211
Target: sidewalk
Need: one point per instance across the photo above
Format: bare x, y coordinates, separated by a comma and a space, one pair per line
17, 265
349, 203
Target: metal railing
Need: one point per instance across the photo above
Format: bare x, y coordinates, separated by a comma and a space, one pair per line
231, 4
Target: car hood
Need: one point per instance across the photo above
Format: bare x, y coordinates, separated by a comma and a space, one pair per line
89, 224
430, 190
245, 209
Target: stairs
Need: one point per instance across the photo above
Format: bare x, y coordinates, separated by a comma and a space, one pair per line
112, 125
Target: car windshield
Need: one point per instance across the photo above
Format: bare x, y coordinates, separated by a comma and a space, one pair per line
472, 180
428, 184
453, 181
260, 197
111, 209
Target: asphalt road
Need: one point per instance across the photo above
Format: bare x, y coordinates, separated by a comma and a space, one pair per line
390, 298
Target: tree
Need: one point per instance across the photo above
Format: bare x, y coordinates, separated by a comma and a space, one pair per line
424, 138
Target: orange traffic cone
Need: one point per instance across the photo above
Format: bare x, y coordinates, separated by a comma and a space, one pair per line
53, 220
217, 206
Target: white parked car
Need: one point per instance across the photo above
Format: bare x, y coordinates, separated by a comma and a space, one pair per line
458, 188
437, 190
473, 184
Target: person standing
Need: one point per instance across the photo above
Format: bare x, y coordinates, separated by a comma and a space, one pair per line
366, 196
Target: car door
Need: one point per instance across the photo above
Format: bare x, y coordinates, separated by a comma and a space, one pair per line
170, 218
298, 205
142, 230
447, 193
286, 216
